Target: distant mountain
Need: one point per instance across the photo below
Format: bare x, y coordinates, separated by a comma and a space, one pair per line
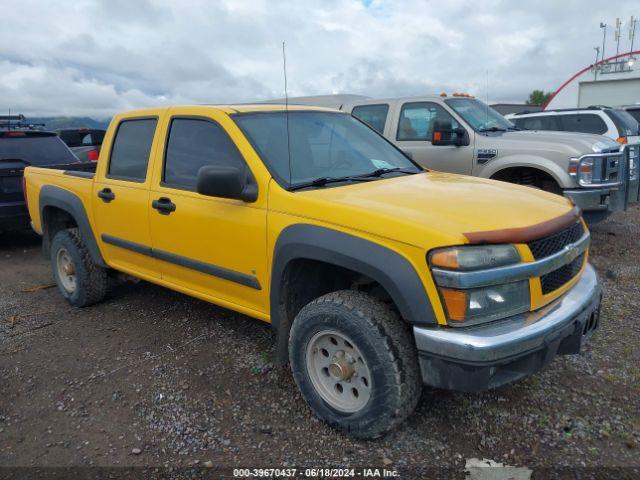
55, 123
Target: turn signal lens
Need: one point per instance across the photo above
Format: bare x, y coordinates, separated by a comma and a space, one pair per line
455, 302
622, 140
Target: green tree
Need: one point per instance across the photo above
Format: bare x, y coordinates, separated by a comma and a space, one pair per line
538, 97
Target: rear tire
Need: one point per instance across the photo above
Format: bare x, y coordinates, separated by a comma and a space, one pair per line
370, 380
80, 281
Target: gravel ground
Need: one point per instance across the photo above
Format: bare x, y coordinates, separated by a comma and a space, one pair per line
151, 377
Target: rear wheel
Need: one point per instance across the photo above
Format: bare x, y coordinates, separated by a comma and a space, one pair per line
79, 280
355, 363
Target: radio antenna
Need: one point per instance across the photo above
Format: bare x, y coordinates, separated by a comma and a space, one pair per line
286, 109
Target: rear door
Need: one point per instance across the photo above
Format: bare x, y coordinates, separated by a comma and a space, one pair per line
121, 196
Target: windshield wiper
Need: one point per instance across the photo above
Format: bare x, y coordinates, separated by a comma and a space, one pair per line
381, 171
515, 128
365, 177
492, 129
320, 182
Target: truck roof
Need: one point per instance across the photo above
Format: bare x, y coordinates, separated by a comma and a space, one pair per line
230, 109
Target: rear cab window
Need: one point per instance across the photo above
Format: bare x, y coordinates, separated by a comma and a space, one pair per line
193, 143
373, 115
583, 123
131, 148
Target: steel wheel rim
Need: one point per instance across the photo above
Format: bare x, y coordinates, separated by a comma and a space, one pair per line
338, 371
66, 270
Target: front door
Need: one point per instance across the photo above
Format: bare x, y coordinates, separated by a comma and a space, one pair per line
413, 131
215, 247
121, 198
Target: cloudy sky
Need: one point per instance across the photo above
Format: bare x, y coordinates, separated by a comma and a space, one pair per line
92, 57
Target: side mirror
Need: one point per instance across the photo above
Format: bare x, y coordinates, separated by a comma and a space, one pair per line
444, 134
226, 182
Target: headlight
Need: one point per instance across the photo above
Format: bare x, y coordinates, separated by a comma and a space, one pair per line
477, 305
585, 175
474, 258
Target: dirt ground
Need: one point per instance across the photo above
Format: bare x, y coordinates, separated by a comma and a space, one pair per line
151, 377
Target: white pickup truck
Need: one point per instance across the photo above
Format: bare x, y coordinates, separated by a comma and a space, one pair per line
461, 134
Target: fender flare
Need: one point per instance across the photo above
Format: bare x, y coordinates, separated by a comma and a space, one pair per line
387, 267
52, 196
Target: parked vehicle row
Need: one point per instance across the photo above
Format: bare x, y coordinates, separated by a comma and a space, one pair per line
464, 135
376, 275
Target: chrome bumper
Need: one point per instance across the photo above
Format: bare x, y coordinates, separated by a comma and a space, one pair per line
486, 356
590, 200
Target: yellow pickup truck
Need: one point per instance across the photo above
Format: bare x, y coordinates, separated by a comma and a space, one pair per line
376, 275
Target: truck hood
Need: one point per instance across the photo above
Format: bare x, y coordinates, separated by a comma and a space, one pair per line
425, 210
573, 144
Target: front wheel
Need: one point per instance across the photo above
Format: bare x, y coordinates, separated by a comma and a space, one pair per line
79, 280
355, 363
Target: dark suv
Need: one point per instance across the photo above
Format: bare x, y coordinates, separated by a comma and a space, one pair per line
22, 145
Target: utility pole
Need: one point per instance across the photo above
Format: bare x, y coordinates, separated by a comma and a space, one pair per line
595, 64
632, 30
604, 37
616, 35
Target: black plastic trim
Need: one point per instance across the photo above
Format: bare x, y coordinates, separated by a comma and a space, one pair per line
207, 268
391, 270
79, 174
51, 196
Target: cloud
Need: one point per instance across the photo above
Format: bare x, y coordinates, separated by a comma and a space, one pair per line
99, 57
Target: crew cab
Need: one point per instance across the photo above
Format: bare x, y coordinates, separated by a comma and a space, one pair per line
461, 134
22, 145
376, 275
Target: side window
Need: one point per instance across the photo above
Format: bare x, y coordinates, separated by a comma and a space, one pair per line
373, 115
417, 120
584, 122
131, 149
541, 122
193, 144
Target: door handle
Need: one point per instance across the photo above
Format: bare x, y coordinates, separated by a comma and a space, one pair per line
164, 205
106, 195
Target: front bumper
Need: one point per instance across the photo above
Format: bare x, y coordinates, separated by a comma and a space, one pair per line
595, 200
487, 356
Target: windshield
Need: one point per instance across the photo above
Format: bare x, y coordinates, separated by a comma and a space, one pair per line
321, 145
36, 149
479, 115
624, 122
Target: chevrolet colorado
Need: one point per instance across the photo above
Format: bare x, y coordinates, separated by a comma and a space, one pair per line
377, 276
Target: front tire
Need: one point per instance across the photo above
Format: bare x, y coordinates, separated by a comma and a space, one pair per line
80, 281
355, 363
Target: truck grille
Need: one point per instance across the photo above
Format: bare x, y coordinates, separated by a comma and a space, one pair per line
556, 279
556, 242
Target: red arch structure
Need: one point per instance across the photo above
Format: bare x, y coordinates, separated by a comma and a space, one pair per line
615, 57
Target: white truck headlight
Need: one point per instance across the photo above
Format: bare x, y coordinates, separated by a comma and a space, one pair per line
478, 305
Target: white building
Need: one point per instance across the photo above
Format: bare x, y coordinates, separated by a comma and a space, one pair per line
613, 81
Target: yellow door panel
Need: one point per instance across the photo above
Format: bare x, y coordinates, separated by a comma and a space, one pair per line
214, 246
120, 195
